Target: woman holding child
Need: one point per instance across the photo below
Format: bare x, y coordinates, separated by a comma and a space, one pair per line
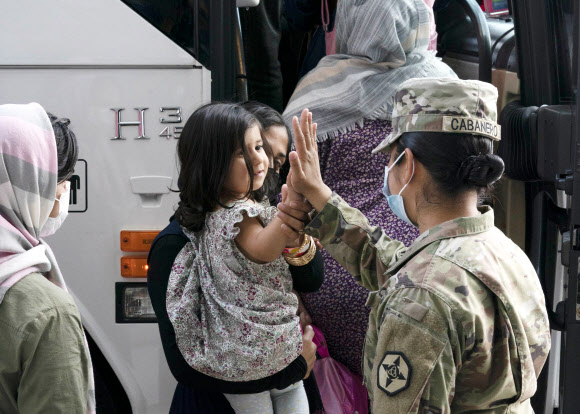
231, 156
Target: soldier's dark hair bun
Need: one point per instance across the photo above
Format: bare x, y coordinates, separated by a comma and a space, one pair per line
456, 162
481, 170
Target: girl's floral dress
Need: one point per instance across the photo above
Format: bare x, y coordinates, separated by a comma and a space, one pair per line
234, 319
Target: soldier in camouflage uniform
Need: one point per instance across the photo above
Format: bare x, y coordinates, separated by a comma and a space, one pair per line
458, 321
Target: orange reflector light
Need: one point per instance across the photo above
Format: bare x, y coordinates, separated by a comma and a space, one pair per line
137, 240
134, 266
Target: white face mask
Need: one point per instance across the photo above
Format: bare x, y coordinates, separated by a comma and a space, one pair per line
53, 223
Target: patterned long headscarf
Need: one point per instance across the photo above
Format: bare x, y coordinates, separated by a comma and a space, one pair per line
28, 180
379, 45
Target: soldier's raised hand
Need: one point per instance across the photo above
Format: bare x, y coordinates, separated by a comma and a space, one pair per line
306, 177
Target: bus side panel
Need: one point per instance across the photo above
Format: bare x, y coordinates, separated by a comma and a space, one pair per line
87, 246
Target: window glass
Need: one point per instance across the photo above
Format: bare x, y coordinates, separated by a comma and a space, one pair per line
566, 31
186, 22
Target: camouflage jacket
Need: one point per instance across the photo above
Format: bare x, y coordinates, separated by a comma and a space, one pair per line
458, 321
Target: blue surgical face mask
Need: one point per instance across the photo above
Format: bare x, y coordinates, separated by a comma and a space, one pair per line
396, 200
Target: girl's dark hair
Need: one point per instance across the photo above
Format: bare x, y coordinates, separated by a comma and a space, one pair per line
457, 162
209, 138
67, 148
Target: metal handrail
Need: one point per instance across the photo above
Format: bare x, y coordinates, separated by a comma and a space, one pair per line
483, 37
222, 36
241, 77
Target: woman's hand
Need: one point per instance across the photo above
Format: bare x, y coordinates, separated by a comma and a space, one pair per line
301, 312
308, 349
305, 174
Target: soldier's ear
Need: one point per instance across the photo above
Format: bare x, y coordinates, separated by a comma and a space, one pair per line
408, 166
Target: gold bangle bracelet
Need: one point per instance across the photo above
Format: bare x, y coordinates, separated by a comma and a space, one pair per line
295, 250
305, 258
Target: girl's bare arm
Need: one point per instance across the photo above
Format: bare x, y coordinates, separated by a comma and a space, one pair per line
261, 244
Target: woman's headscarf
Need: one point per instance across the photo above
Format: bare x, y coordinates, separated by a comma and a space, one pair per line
379, 45
28, 180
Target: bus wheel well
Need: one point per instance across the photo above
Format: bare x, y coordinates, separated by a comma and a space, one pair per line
110, 395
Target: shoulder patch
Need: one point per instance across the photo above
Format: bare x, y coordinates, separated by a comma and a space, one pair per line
394, 373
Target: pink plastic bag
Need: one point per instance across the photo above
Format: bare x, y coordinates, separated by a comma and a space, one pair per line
320, 342
341, 390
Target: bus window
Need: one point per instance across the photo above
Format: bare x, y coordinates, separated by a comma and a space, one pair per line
186, 22
566, 33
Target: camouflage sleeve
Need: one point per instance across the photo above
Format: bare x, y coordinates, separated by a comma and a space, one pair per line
364, 251
414, 366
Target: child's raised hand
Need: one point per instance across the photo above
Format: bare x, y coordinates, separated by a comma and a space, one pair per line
291, 194
306, 176
284, 192
294, 218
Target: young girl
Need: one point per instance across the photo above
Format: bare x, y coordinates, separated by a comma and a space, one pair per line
229, 296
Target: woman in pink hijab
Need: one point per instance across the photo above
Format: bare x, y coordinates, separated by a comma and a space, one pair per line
45, 364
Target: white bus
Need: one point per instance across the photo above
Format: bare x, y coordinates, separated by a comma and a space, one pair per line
129, 73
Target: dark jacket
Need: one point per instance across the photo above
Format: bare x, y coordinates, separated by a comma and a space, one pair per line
305, 16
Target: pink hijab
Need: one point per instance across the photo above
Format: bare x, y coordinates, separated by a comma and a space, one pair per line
28, 179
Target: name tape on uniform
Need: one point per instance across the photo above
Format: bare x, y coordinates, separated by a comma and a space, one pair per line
472, 126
